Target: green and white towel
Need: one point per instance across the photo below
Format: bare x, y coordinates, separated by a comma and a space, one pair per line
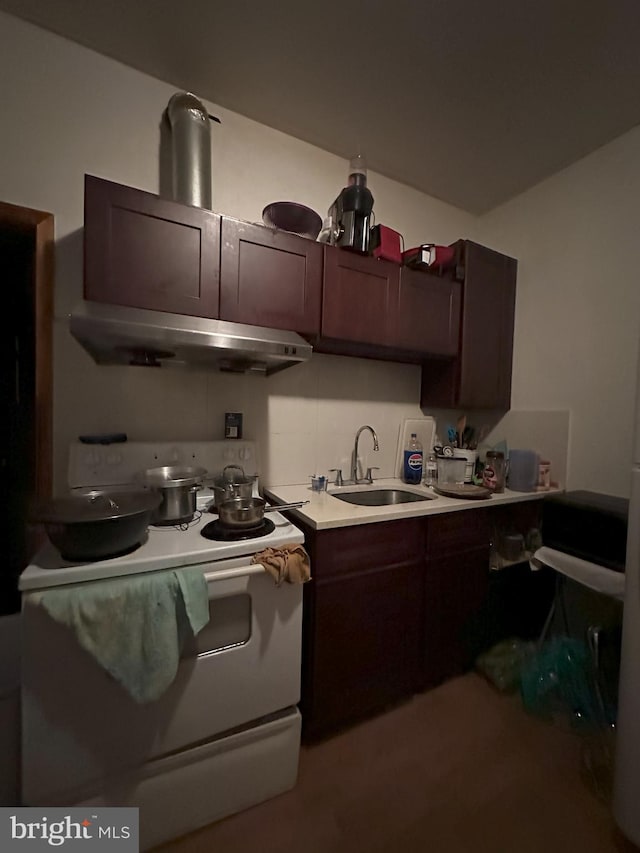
134, 626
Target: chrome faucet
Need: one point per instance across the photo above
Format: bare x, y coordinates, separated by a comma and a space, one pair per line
354, 466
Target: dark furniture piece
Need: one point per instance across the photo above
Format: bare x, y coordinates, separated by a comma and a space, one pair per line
147, 252
456, 583
401, 606
361, 628
377, 309
359, 300
428, 314
270, 278
480, 376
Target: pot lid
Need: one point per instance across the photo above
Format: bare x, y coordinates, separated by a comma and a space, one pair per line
172, 476
95, 506
231, 477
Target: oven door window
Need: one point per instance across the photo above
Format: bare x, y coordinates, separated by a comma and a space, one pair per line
229, 626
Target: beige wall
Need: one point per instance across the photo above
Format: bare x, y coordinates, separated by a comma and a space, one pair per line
67, 111
578, 305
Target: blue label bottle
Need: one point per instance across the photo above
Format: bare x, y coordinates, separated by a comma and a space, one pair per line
412, 468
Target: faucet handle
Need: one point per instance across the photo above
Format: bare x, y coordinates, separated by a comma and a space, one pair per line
338, 472
369, 475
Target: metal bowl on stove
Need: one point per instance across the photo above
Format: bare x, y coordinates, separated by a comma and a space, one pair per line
97, 525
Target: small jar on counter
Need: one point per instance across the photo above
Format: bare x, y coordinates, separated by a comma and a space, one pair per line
544, 475
493, 474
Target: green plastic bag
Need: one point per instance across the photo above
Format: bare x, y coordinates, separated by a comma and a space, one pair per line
558, 681
502, 663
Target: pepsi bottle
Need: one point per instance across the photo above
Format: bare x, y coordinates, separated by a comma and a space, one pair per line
412, 468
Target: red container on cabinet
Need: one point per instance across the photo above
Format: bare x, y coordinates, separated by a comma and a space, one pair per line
386, 244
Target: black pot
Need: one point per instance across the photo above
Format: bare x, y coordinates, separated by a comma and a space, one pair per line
98, 525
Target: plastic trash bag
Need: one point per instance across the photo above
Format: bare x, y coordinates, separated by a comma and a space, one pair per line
502, 663
558, 681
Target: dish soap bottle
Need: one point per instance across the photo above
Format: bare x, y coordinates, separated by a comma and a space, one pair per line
412, 468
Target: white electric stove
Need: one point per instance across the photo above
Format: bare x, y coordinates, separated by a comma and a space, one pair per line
226, 734
115, 466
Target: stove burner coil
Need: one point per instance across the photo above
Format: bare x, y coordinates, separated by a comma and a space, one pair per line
218, 532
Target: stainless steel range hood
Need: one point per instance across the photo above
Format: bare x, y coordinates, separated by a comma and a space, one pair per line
113, 334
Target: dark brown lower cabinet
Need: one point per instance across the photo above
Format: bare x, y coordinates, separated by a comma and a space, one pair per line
365, 645
392, 608
454, 592
456, 581
362, 612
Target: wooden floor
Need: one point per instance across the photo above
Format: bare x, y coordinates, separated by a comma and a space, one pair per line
461, 769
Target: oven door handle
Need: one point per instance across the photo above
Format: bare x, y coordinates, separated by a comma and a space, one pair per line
239, 572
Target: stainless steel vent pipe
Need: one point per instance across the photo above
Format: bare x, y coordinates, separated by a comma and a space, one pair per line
190, 150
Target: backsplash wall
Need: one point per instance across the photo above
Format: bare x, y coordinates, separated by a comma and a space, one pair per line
304, 419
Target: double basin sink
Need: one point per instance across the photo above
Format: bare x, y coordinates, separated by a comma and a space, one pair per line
380, 497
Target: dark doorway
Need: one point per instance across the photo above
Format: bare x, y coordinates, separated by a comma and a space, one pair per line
26, 264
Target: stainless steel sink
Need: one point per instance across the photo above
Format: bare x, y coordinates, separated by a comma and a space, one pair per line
380, 497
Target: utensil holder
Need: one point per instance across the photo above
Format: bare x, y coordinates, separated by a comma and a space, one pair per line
470, 457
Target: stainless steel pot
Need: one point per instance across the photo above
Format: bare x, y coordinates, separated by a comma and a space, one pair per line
177, 486
249, 512
231, 484
97, 525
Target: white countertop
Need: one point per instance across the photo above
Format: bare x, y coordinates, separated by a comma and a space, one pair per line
325, 511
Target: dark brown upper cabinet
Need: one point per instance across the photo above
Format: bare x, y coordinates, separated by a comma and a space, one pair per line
270, 278
378, 309
147, 252
359, 298
480, 376
428, 314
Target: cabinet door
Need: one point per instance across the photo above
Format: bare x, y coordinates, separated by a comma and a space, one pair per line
359, 298
428, 314
361, 626
480, 377
455, 589
487, 328
366, 643
147, 252
270, 278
